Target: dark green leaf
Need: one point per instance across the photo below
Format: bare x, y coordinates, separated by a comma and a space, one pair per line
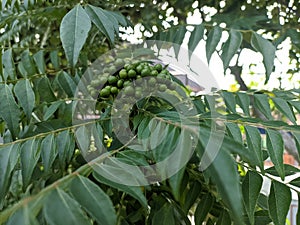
275, 148
9, 110
164, 216
234, 132
254, 142
23, 216
251, 188
28, 63
8, 159
261, 101
195, 38
74, 30
288, 170
262, 217
103, 23
25, 96
94, 200
213, 39
60, 208
66, 83
279, 202
48, 151
203, 208
230, 47
45, 90
285, 109
243, 100
192, 195
30, 154
224, 219
9, 70
40, 61
51, 110
65, 147
134, 191
267, 49
229, 100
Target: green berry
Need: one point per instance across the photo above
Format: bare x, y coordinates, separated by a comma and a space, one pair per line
112, 79
162, 87
105, 92
123, 74
129, 90
158, 67
131, 73
145, 72
114, 90
120, 83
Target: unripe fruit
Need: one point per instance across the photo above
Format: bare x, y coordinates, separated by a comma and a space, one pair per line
119, 62
123, 74
120, 83
112, 79
131, 73
158, 67
104, 92
145, 72
114, 90
152, 82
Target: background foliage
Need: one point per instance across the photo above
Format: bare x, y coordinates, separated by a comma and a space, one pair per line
45, 48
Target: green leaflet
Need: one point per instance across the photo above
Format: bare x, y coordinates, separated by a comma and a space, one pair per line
22, 217
94, 200
30, 154
230, 47
195, 38
66, 210
279, 201
9, 156
100, 18
212, 41
251, 188
25, 96
261, 101
48, 151
74, 30
9, 110
203, 208
254, 143
275, 148
267, 49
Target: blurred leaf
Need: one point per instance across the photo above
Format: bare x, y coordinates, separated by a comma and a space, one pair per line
192, 195
251, 188
213, 39
94, 201
9, 110
279, 202
25, 96
230, 47
45, 90
262, 217
60, 208
74, 30
275, 148
267, 49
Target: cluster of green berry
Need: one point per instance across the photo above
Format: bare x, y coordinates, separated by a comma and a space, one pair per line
132, 78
